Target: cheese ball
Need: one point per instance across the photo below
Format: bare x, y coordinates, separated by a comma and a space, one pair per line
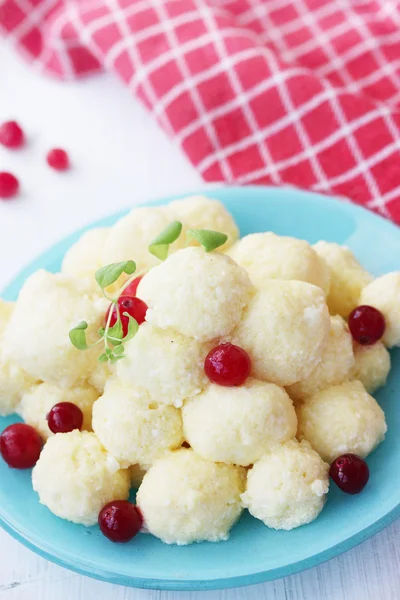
340, 419
237, 425
185, 498
169, 366
36, 404
198, 294
269, 256
336, 362
6, 309
130, 237
384, 294
37, 335
372, 366
284, 330
14, 383
133, 428
75, 477
347, 276
287, 488
85, 256
199, 212
100, 375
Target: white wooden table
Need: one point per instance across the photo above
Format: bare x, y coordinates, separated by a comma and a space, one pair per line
120, 158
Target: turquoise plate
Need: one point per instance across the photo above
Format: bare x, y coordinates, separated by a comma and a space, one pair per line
253, 552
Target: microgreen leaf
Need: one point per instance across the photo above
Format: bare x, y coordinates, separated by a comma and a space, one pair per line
210, 240
159, 247
169, 235
132, 327
119, 350
113, 358
115, 333
159, 250
110, 273
101, 331
103, 358
77, 335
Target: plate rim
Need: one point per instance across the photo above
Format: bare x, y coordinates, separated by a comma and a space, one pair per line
211, 584
220, 583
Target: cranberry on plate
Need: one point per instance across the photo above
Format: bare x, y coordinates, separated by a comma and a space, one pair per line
367, 325
120, 520
20, 446
227, 365
350, 473
64, 417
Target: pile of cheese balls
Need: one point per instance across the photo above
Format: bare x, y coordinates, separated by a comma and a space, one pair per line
252, 373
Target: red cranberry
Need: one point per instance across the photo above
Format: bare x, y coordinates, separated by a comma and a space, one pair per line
366, 324
58, 159
9, 185
131, 290
20, 446
64, 417
135, 307
120, 520
11, 135
227, 365
350, 473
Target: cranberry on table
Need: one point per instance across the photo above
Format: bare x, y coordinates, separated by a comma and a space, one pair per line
64, 417
135, 307
58, 159
367, 325
20, 446
350, 473
120, 520
227, 365
11, 135
131, 290
9, 185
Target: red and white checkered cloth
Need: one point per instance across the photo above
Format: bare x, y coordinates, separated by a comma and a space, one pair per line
301, 92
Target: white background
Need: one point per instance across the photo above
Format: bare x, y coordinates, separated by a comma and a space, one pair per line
120, 157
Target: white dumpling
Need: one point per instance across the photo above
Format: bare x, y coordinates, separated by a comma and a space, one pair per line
237, 425
270, 256
284, 330
75, 477
198, 294
185, 498
340, 419
37, 335
287, 487
384, 294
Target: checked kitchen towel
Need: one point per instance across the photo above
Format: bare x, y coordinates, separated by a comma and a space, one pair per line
300, 92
